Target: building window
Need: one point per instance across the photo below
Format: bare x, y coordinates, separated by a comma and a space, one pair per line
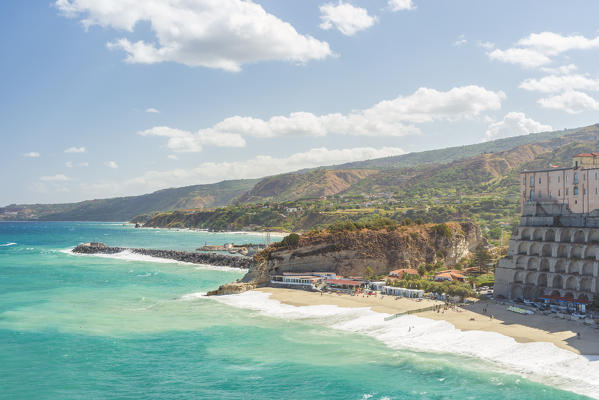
584, 191
566, 191
550, 195
524, 180
559, 193
566, 177
540, 194
595, 190
539, 181
575, 178
575, 190
558, 178
532, 181
532, 195
595, 175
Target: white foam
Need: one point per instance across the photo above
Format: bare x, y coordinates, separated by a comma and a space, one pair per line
193, 296
541, 362
128, 255
7, 244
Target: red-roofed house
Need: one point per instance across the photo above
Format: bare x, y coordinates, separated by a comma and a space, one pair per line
400, 273
450, 275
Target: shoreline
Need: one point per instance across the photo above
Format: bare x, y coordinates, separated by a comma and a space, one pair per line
522, 328
272, 233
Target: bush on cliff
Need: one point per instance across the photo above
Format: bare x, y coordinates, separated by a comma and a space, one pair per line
442, 229
291, 240
374, 223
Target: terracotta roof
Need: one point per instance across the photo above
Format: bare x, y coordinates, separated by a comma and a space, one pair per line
587, 155
402, 271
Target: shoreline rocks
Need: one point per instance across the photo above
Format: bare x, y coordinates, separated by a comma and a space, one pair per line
193, 257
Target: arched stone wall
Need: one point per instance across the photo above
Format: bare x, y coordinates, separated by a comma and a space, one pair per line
544, 265
537, 234
571, 283
594, 236
560, 266
591, 252
588, 268
535, 249
550, 235
557, 282
521, 262
531, 278
542, 280
574, 267
532, 264
517, 291
577, 251
525, 234
562, 251
565, 235
579, 236
523, 248
546, 250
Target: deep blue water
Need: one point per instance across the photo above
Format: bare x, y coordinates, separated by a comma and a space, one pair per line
87, 327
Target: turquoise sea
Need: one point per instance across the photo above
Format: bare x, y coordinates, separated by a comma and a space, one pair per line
89, 327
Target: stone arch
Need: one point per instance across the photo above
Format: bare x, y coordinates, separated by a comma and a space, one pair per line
562, 251
560, 266
530, 292
565, 235
577, 252
557, 282
550, 235
586, 284
519, 277
579, 237
569, 295
542, 280
571, 283
544, 265
588, 269
531, 278
537, 234
546, 250
523, 248
583, 297
525, 234
535, 249
556, 293
594, 236
517, 291
532, 264
590, 252
521, 262
573, 268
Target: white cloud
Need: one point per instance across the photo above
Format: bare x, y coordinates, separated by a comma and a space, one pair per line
55, 178
525, 57
69, 164
395, 117
152, 110
32, 154
188, 142
345, 18
461, 41
560, 83
537, 49
75, 150
515, 124
399, 5
257, 167
563, 69
486, 45
571, 101
173, 157
222, 34
111, 164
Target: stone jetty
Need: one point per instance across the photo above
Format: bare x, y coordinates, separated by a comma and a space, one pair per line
183, 256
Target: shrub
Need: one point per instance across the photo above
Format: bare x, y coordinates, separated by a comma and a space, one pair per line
291, 240
442, 229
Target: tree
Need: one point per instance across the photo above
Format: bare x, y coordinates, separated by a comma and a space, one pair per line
481, 258
421, 270
369, 273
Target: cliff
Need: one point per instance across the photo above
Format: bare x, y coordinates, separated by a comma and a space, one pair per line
349, 253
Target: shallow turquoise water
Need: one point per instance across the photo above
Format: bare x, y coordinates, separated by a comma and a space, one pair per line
86, 327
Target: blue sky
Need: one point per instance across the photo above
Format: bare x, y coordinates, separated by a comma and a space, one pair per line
119, 97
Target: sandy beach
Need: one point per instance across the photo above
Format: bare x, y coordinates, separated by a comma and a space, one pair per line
523, 328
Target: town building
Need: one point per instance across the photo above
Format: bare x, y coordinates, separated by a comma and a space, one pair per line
553, 255
402, 272
576, 186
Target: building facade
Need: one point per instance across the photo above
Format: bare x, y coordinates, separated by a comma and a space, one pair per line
576, 186
553, 254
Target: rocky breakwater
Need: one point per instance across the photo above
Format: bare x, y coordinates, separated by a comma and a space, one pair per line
177, 255
349, 253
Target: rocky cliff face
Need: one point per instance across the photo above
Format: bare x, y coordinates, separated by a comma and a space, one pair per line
350, 253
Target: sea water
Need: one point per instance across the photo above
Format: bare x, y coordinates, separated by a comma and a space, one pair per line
89, 327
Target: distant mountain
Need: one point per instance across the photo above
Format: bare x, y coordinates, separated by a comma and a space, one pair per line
125, 208
489, 168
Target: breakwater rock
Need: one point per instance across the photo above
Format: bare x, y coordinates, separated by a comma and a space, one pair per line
178, 255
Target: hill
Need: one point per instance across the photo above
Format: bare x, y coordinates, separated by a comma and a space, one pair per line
125, 208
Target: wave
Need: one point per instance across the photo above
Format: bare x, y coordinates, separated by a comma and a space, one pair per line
538, 361
128, 255
7, 244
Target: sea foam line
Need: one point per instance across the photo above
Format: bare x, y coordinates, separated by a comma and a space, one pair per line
128, 255
538, 361
7, 244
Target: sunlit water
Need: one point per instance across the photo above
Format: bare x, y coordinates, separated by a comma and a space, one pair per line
87, 327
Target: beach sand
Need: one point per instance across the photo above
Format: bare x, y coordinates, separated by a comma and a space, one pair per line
523, 328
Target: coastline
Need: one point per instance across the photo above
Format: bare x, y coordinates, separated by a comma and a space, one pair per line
522, 328
272, 233
547, 357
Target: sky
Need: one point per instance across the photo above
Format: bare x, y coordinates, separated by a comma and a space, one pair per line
104, 98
